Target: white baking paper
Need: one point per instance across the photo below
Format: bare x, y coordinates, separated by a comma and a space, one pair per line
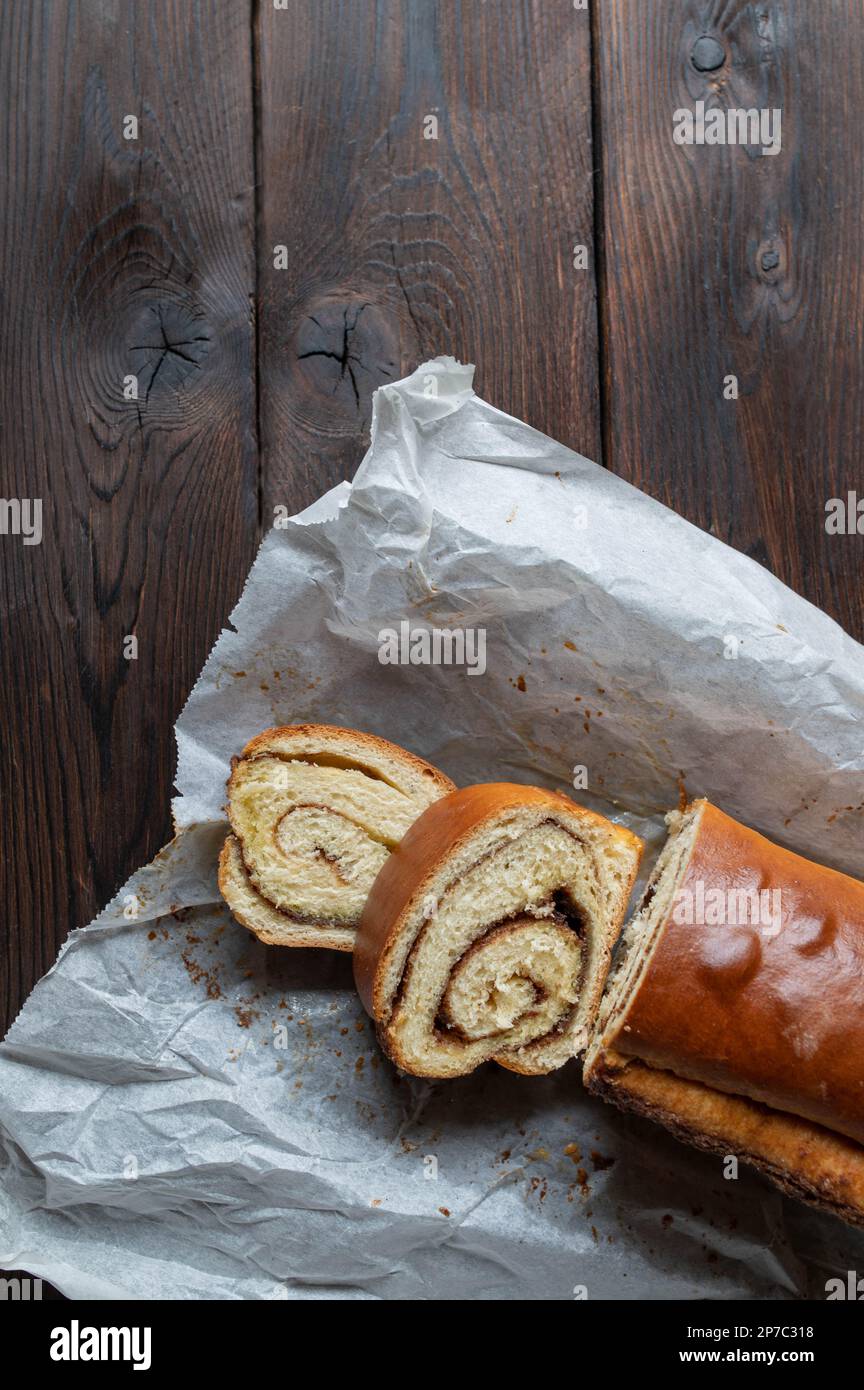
185, 1113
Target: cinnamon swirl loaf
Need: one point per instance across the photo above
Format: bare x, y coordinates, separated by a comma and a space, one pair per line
735, 1015
488, 931
315, 811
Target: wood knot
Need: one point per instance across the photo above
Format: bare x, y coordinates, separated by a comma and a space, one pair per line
347, 350
770, 260
707, 54
167, 342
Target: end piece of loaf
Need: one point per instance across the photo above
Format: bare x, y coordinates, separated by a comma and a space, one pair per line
315, 811
735, 1012
487, 933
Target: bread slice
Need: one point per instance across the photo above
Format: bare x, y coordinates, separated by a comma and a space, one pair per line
315, 811
487, 933
735, 1012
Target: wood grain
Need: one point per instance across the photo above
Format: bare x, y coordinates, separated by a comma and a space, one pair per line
118, 257
717, 260
123, 257
401, 247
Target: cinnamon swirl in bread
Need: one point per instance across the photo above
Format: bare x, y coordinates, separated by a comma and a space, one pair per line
487, 932
315, 811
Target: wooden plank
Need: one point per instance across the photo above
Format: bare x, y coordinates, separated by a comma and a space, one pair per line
720, 261
118, 257
401, 247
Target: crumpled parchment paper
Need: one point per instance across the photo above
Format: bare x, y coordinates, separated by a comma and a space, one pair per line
185, 1113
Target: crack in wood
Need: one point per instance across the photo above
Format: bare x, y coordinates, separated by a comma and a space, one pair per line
345, 357
168, 347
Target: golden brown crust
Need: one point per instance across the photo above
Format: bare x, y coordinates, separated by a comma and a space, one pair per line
773, 1010
333, 733
439, 831
804, 1159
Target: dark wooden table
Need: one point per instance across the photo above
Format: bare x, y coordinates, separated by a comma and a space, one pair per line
307, 128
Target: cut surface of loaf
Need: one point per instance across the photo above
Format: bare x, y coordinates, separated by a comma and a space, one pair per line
315, 810
735, 1011
487, 934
